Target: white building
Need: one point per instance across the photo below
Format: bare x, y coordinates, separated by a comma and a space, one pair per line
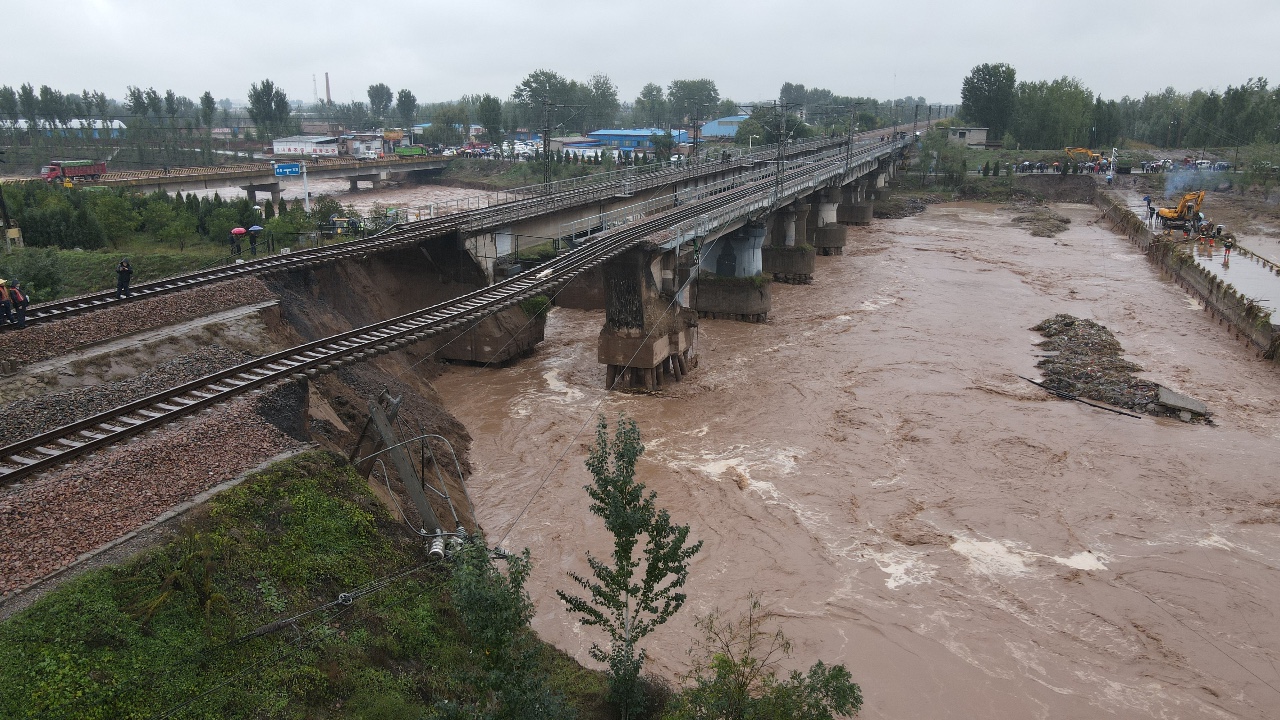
306, 145
973, 137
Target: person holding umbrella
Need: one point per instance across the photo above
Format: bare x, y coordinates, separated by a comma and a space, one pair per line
253, 239
236, 233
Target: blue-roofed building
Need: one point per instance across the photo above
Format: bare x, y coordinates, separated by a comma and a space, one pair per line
724, 128
634, 138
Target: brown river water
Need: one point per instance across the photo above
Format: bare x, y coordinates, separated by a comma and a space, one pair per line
870, 463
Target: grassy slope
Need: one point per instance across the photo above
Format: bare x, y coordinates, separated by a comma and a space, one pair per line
135, 640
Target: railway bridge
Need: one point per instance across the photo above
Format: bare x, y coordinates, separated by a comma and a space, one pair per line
705, 247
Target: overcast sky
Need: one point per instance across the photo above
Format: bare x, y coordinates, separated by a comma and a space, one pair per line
441, 50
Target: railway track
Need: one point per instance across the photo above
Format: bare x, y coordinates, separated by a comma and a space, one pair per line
52, 448
398, 236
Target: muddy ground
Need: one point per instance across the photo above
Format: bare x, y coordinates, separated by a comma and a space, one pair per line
870, 462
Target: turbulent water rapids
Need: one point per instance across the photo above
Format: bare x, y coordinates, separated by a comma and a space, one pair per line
870, 463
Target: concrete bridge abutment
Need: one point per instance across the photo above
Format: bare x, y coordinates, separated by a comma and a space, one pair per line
647, 333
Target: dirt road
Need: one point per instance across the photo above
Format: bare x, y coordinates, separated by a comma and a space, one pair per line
966, 545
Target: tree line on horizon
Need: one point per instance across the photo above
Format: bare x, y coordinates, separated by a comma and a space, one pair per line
166, 128
1044, 114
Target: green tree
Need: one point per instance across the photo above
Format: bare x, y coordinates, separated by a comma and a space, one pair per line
406, 107
489, 116
987, 97
380, 99
496, 610
38, 269
687, 96
734, 676
601, 100
116, 215
269, 109
663, 144
640, 589
651, 106
207, 109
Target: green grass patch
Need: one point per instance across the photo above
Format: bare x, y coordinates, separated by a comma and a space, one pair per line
173, 626
536, 305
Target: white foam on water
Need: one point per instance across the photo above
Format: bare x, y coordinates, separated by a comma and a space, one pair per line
559, 387
1081, 561
903, 567
876, 304
1216, 541
991, 558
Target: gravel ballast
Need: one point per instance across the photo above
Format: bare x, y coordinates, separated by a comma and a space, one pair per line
48, 522
43, 341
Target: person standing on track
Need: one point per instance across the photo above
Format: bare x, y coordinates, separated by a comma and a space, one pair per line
20, 302
5, 302
124, 271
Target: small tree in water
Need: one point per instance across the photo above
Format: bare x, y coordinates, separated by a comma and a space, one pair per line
639, 590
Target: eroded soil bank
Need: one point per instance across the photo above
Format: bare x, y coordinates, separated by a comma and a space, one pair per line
967, 545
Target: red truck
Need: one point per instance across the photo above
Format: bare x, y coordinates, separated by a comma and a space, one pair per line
73, 170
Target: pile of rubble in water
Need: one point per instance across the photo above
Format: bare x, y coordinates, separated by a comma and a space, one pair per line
1042, 222
1084, 361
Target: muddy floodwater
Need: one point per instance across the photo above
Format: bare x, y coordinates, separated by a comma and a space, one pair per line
870, 463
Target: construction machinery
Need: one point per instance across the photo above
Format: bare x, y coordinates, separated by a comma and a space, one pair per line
1080, 154
1177, 218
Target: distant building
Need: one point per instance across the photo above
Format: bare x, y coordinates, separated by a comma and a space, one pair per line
361, 144
526, 135
321, 145
724, 128
634, 138
576, 144
969, 136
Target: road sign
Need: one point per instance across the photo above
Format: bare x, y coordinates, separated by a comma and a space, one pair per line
283, 169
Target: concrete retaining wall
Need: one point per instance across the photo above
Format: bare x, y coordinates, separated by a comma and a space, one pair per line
1240, 315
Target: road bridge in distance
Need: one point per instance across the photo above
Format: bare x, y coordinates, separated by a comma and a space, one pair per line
260, 176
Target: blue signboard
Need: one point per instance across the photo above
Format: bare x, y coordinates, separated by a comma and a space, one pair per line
283, 169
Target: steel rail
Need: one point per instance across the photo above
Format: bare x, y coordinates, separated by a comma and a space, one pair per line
54, 447
399, 236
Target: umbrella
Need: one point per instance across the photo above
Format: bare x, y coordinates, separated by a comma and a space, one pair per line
255, 228
238, 231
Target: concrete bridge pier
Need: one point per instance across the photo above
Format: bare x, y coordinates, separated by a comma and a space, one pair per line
251, 191
790, 259
647, 333
732, 283
856, 205
829, 237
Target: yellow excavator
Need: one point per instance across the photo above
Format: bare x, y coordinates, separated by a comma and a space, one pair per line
1179, 217
1080, 154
